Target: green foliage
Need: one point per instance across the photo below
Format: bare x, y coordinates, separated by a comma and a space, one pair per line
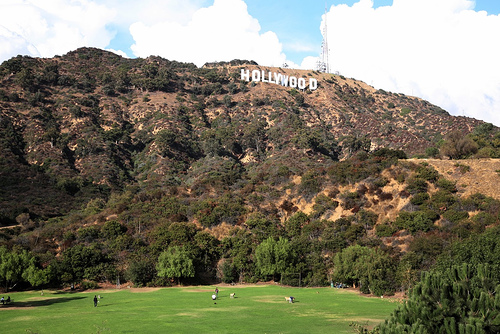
428, 173
432, 152
366, 266
226, 209
447, 185
413, 222
175, 262
322, 203
356, 169
112, 229
416, 185
295, 223
229, 274
458, 146
461, 299
454, 215
310, 183
79, 262
262, 227
141, 272
419, 198
273, 257
479, 248
18, 265
384, 230
405, 111
88, 234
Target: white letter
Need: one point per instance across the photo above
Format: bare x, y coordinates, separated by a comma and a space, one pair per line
270, 78
302, 83
264, 77
284, 80
245, 75
277, 78
256, 75
313, 84
293, 82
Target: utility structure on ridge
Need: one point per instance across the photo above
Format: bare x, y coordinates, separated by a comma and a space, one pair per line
323, 63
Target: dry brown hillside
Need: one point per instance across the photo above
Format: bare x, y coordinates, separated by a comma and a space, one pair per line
471, 175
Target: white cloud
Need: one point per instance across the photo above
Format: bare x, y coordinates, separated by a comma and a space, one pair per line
49, 27
12, 44
309, 63
221, 32
118, 52
175, 29
442, 51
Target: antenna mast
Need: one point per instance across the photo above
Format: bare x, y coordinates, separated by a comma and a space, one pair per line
323, 64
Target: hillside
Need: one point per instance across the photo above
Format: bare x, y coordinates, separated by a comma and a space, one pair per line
127, 158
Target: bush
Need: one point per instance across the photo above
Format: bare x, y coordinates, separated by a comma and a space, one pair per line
89, 285
88, 234
447, 185
112, 229
455, 216
419, 198
427, 173
352, 200
413, 221
385, 230
310, 184
416, 185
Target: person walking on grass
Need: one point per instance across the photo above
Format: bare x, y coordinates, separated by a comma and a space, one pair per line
95, 301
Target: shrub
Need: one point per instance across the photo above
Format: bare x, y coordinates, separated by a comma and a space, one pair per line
385, 230
446, 185
112, 229
413, 221
416, 185
310, 184
352, 200
455, 216
419, 198
89, 285
427, 173
88, 234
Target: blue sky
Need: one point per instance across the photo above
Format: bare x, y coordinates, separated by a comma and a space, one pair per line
445, 51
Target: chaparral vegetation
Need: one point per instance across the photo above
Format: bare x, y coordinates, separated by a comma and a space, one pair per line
158, 173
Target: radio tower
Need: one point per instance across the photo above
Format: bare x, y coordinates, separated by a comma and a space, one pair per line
323, 64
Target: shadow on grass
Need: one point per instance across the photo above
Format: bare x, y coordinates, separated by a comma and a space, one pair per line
41, 302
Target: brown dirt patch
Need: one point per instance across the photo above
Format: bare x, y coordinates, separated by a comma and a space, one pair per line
481, 176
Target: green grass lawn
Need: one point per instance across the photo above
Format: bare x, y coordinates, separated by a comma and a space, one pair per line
256, 309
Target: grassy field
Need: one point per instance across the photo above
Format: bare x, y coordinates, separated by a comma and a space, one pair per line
255, 309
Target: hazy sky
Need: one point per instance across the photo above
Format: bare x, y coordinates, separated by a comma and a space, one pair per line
445, 51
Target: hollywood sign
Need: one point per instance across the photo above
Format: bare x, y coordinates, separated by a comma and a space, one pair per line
278, 79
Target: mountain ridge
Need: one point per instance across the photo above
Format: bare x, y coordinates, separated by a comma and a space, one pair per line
84, 113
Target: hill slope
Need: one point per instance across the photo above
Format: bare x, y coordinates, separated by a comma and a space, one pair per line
130, 157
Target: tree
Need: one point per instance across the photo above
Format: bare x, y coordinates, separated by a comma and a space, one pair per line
141, 271
273, 257
461, 299
254, 135
369, 267
294, 224
458, 146
12, 265
36, 276
175, 262
81, 262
